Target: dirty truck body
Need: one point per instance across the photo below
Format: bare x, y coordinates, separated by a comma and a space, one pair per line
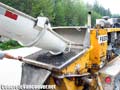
72, 58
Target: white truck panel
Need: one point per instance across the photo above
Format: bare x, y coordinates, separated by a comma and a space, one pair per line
28, 30
112, 70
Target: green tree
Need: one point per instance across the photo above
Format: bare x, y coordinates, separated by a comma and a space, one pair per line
43, 8
60, 12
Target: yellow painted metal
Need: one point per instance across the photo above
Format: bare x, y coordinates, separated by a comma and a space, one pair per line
70, 85
95, 54
82, 61
79, 63
61, 85
99, 82
98, 50
113, 29
67, 84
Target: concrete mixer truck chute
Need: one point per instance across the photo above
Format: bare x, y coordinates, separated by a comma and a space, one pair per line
29, 31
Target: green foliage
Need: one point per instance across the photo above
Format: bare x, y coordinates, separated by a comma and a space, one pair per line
95, 16
60, 12
43, 8
11, 44
116, 16
80, 13
101, 10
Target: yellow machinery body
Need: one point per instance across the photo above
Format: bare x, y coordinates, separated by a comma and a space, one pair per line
91, 61
79, 53
77, 56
